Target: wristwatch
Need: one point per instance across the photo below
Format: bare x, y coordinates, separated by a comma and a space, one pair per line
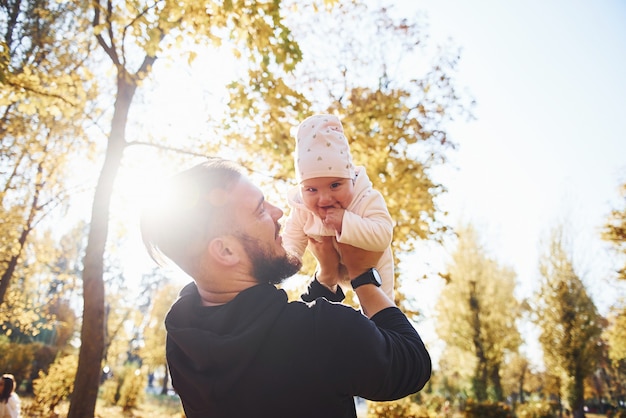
371, 276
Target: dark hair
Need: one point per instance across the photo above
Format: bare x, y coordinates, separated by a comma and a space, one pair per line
189, 211
9, 385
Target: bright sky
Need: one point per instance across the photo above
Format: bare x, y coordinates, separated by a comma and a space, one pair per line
549, 142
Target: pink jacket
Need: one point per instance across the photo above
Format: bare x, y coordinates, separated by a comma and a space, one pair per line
367, 224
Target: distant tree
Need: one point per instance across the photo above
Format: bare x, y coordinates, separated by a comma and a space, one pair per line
615, 232
613, 369
615, 334
516, 374
40, 319
45, 89
477, 313
569, 322
38, 305
153, 349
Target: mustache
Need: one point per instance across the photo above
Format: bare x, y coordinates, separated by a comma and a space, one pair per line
278, 227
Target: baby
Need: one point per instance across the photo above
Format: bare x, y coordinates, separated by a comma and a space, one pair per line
335, 198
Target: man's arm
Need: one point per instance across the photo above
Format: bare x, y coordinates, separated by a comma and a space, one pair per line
372, 298
386, 352
325, 281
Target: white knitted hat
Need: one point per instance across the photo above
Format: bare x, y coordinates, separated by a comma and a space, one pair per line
322, 149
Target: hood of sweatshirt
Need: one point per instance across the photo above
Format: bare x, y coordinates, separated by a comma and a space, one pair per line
219, 342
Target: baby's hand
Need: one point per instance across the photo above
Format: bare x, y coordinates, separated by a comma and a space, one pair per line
334, 218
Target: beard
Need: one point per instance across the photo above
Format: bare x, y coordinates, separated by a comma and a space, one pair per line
267, 267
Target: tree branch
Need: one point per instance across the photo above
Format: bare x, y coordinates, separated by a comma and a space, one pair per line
45, 94
109, 49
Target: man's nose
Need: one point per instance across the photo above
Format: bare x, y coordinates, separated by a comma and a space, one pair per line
276, 212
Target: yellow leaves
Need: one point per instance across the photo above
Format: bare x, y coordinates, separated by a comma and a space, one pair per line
153, 42
477, 307
29, 108
175, 14
97, 29
615, 334
191, 57
614, 232
565, 313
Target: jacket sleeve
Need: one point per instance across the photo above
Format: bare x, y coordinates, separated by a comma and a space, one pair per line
382, 359
294, 238
373, 229
317, 290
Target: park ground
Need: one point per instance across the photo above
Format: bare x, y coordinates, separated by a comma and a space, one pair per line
153, 406
169, 407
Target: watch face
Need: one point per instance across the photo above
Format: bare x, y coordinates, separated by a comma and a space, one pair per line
376, 275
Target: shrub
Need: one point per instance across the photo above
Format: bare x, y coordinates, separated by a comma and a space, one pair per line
125, 389
536, 410
16, 359
487, 410
616, 413
133, 388
109, 391
53, 387
402, 408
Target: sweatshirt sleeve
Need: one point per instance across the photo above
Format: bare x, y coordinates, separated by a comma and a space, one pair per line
317, 290
382, 359
373, 229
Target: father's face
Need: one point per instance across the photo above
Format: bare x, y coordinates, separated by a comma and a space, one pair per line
258, 231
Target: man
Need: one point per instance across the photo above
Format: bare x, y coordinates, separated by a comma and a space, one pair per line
235, 346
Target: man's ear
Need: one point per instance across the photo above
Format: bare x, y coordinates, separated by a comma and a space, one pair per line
223, 251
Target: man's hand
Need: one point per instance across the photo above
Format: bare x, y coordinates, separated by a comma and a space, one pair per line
357, 260
328, 260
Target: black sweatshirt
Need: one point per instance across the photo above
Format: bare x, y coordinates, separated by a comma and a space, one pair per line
262, 356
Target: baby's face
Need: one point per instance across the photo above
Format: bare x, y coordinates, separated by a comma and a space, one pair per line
322, 193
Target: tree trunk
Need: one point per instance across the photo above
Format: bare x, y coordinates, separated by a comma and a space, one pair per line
522, 398
166, 379
578, 396
83, 401
497, 383
479, 381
